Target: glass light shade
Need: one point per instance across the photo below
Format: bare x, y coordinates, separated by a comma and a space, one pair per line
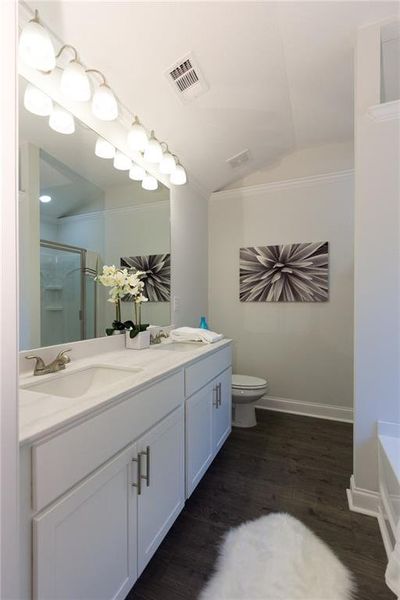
149, 183
104, 149
37, 102
167, 164
121, 161
45, 198
75, 83
61, 121
35, 47
178, 177
137, 138
104, 104
153, 152
137, 173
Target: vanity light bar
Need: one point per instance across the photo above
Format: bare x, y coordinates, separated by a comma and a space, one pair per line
37, 51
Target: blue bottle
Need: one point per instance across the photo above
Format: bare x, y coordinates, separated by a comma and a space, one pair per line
203, 323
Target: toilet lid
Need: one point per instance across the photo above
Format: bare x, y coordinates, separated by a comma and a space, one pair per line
247, 382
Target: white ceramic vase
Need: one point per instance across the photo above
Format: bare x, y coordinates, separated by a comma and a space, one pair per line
139, 342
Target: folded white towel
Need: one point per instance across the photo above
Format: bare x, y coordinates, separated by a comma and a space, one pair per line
194, 334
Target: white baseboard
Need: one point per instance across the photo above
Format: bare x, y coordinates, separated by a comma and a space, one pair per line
363, 501
307, 409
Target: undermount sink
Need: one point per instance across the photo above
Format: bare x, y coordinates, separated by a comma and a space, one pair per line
85, 381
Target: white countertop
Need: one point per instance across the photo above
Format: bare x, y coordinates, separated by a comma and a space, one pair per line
41, 414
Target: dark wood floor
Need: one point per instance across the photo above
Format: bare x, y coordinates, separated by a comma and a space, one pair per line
287, 463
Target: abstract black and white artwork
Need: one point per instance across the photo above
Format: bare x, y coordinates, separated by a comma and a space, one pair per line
157, 278
284, 273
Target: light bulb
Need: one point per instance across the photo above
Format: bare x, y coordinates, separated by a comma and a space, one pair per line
153, 152
104, 103
61, 121
167, 164
35, 47
37, 102
121, 161
75, 83
45, 198
104, 149
178, 177
149, 183
137, 173
137, 137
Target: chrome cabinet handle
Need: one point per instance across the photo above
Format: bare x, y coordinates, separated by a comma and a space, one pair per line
219, 394
146, 453
138, 483
215, 391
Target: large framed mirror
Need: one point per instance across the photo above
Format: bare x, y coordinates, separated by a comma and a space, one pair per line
77, 213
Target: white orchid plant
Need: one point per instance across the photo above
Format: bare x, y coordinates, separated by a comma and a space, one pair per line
124, 283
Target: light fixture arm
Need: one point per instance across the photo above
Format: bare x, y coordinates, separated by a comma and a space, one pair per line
98, 73
75, 51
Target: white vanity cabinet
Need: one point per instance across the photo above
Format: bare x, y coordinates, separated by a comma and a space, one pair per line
98, 495
84, 545
208, 419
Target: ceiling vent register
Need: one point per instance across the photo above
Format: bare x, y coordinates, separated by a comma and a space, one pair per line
186, 78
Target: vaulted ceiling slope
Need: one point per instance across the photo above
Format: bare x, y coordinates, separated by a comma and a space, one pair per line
279, 74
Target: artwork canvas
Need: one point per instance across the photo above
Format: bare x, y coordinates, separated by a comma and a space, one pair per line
157, 279
284, 273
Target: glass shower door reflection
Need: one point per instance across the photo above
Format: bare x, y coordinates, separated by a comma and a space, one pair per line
61, 294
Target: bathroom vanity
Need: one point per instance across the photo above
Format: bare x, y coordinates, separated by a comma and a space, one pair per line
110, 450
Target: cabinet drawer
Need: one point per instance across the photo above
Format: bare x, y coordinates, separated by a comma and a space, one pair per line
60, 462
199, 374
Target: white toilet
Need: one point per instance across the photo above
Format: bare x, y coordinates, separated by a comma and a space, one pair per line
246, 391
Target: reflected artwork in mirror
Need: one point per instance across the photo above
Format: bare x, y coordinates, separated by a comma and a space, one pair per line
77, 213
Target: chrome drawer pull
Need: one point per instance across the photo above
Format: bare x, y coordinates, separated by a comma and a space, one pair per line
138, 483
146, 453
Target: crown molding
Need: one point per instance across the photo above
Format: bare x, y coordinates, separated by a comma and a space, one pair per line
96, 214
388, 111
283, 185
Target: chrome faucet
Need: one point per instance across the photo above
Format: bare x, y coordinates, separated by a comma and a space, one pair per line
57, 364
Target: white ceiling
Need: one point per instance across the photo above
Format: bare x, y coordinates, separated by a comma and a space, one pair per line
280, 74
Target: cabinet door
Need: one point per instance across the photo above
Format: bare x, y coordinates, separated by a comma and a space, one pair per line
199, 434
222, 417
85, 543
162, 493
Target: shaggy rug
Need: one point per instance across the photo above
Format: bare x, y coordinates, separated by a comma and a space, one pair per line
277, 558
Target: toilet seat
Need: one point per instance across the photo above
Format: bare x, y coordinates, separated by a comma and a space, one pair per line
246, 382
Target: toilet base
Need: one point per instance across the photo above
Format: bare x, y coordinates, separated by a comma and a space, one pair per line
244, 415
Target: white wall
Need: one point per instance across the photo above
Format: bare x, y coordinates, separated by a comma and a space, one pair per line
305, 350
189, 246
377, 253
9, 449
316, 160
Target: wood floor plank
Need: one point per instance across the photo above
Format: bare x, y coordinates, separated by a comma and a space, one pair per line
287, 463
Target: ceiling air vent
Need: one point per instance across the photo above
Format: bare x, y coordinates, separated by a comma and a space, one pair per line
186, 78
239, 159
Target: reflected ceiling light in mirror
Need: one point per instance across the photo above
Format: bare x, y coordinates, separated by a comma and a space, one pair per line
35, 47
37, 102
153, 152
61, 121
137, 137
45, 198
75, 83
104, 149
149, 183
167, 164
137, 173
104, 103
121, 161
178, 177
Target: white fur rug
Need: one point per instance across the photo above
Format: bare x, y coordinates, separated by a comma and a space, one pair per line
277, 558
